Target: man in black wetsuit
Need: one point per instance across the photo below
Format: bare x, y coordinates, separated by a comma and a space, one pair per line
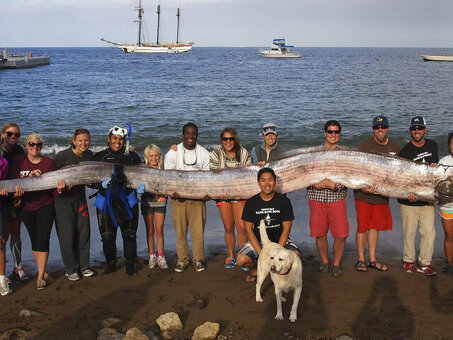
116, 153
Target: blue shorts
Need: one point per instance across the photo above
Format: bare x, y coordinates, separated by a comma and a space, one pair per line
248, 250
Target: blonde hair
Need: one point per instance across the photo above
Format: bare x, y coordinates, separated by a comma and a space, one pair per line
153, 147
32, 136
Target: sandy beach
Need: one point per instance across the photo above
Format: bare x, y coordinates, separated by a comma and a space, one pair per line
371, 305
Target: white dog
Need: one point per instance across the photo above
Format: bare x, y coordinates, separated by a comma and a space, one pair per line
286, 273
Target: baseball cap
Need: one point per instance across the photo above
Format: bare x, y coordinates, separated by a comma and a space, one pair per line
417, 121
116, 130
269, 128
380, 120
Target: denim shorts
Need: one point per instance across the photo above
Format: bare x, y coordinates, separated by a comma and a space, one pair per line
146, 210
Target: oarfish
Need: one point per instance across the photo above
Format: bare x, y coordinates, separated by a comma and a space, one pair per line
393, 176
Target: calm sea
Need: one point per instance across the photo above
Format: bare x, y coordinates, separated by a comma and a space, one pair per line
97, 88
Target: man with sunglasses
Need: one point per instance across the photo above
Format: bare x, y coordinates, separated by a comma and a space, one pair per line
188, 213
327, 201
373, 210
116, 153
415, 212
269, 149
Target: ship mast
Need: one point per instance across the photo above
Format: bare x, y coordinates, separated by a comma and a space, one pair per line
158, 20
139, 8
177, 27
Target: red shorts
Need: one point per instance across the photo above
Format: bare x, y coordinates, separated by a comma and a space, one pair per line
373, 216
328, 215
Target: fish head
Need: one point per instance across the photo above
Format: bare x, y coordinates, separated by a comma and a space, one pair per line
444, 190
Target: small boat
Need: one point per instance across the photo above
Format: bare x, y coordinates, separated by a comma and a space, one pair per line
16, 61
151, 47
434, 57
279, 50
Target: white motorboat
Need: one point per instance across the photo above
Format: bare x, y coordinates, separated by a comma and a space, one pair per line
151, 47
434, 57
279, 49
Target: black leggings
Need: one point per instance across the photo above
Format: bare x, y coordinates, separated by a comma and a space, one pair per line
39, 225
108, 233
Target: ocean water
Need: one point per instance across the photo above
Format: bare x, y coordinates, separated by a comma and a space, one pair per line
97, 88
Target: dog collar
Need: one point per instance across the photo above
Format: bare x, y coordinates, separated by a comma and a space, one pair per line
287, 271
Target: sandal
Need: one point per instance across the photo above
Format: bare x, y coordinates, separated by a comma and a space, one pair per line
324, 267
377, 265
337, 271
361, 266
250, 278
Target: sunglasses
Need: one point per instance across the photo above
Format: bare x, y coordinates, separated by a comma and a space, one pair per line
380, 127
337, 132
270, 129
226, 139
9, 134
38, 145
417, 128
184, 158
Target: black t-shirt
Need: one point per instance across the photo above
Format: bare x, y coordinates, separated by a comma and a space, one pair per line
65, 158
274, 212
427, 153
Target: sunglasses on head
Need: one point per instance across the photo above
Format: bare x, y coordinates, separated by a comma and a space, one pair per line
337, 132
226, 139
269, 128
380, 127
38, 145
9, 134
417, 128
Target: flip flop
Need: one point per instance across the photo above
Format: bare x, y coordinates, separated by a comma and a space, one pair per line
250, 278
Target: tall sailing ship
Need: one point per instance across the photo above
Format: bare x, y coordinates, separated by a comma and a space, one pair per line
157, 47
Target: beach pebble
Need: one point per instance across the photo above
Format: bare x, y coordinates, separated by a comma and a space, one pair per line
135, 334
111, 323
169, 321
109, 334
201, 303
14, 333
344, 337
26, 313
206, 331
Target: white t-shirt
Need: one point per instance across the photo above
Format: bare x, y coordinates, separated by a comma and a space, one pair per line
185, 159
447, 160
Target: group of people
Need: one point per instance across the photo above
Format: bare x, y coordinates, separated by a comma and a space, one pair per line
117, 206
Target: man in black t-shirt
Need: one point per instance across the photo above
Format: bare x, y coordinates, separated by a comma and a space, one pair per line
276, 211
415, 212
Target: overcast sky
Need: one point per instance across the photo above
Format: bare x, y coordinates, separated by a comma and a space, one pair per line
348, 23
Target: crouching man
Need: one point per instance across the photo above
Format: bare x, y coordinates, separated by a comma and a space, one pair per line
276, 211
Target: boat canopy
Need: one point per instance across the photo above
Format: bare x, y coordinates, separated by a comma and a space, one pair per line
281, 42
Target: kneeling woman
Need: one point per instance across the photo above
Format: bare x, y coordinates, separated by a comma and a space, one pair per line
37, 206
71, 210
230, 155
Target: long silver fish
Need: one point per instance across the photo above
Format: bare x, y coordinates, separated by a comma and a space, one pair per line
394, 177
